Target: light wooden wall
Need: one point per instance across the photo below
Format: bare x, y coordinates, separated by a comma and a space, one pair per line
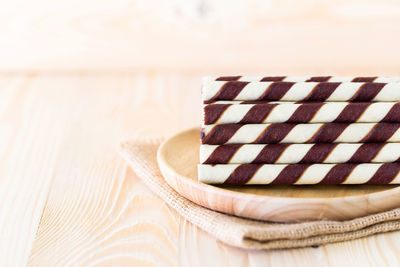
274, 36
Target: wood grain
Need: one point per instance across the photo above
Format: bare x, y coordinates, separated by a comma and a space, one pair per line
27, 164
94, 207
67, 197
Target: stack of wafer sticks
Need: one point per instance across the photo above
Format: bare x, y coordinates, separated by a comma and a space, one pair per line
300, 130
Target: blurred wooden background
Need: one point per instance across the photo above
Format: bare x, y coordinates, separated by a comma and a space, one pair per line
230, 36
77, 77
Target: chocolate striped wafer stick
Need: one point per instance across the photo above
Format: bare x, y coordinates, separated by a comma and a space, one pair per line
345, 173
300, 113
304, 79
300, 133
301, 91
300, 153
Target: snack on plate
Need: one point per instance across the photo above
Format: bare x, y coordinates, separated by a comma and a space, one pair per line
300, 153
300, 130
341, 173
301, 91
222, 113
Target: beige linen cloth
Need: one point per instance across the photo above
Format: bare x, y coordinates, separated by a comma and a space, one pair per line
246, 233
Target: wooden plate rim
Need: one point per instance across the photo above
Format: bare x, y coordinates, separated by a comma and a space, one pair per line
234, 194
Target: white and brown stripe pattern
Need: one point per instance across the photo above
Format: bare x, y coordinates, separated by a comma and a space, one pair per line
300, 153
296, 174
301, 91
300, 133
304, 79
217, 113
300, 130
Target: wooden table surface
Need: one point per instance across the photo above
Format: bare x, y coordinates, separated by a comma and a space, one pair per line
68, 198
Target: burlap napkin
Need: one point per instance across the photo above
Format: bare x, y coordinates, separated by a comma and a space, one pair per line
246, 233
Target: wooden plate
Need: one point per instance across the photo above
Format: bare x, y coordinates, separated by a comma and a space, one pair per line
178, 158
